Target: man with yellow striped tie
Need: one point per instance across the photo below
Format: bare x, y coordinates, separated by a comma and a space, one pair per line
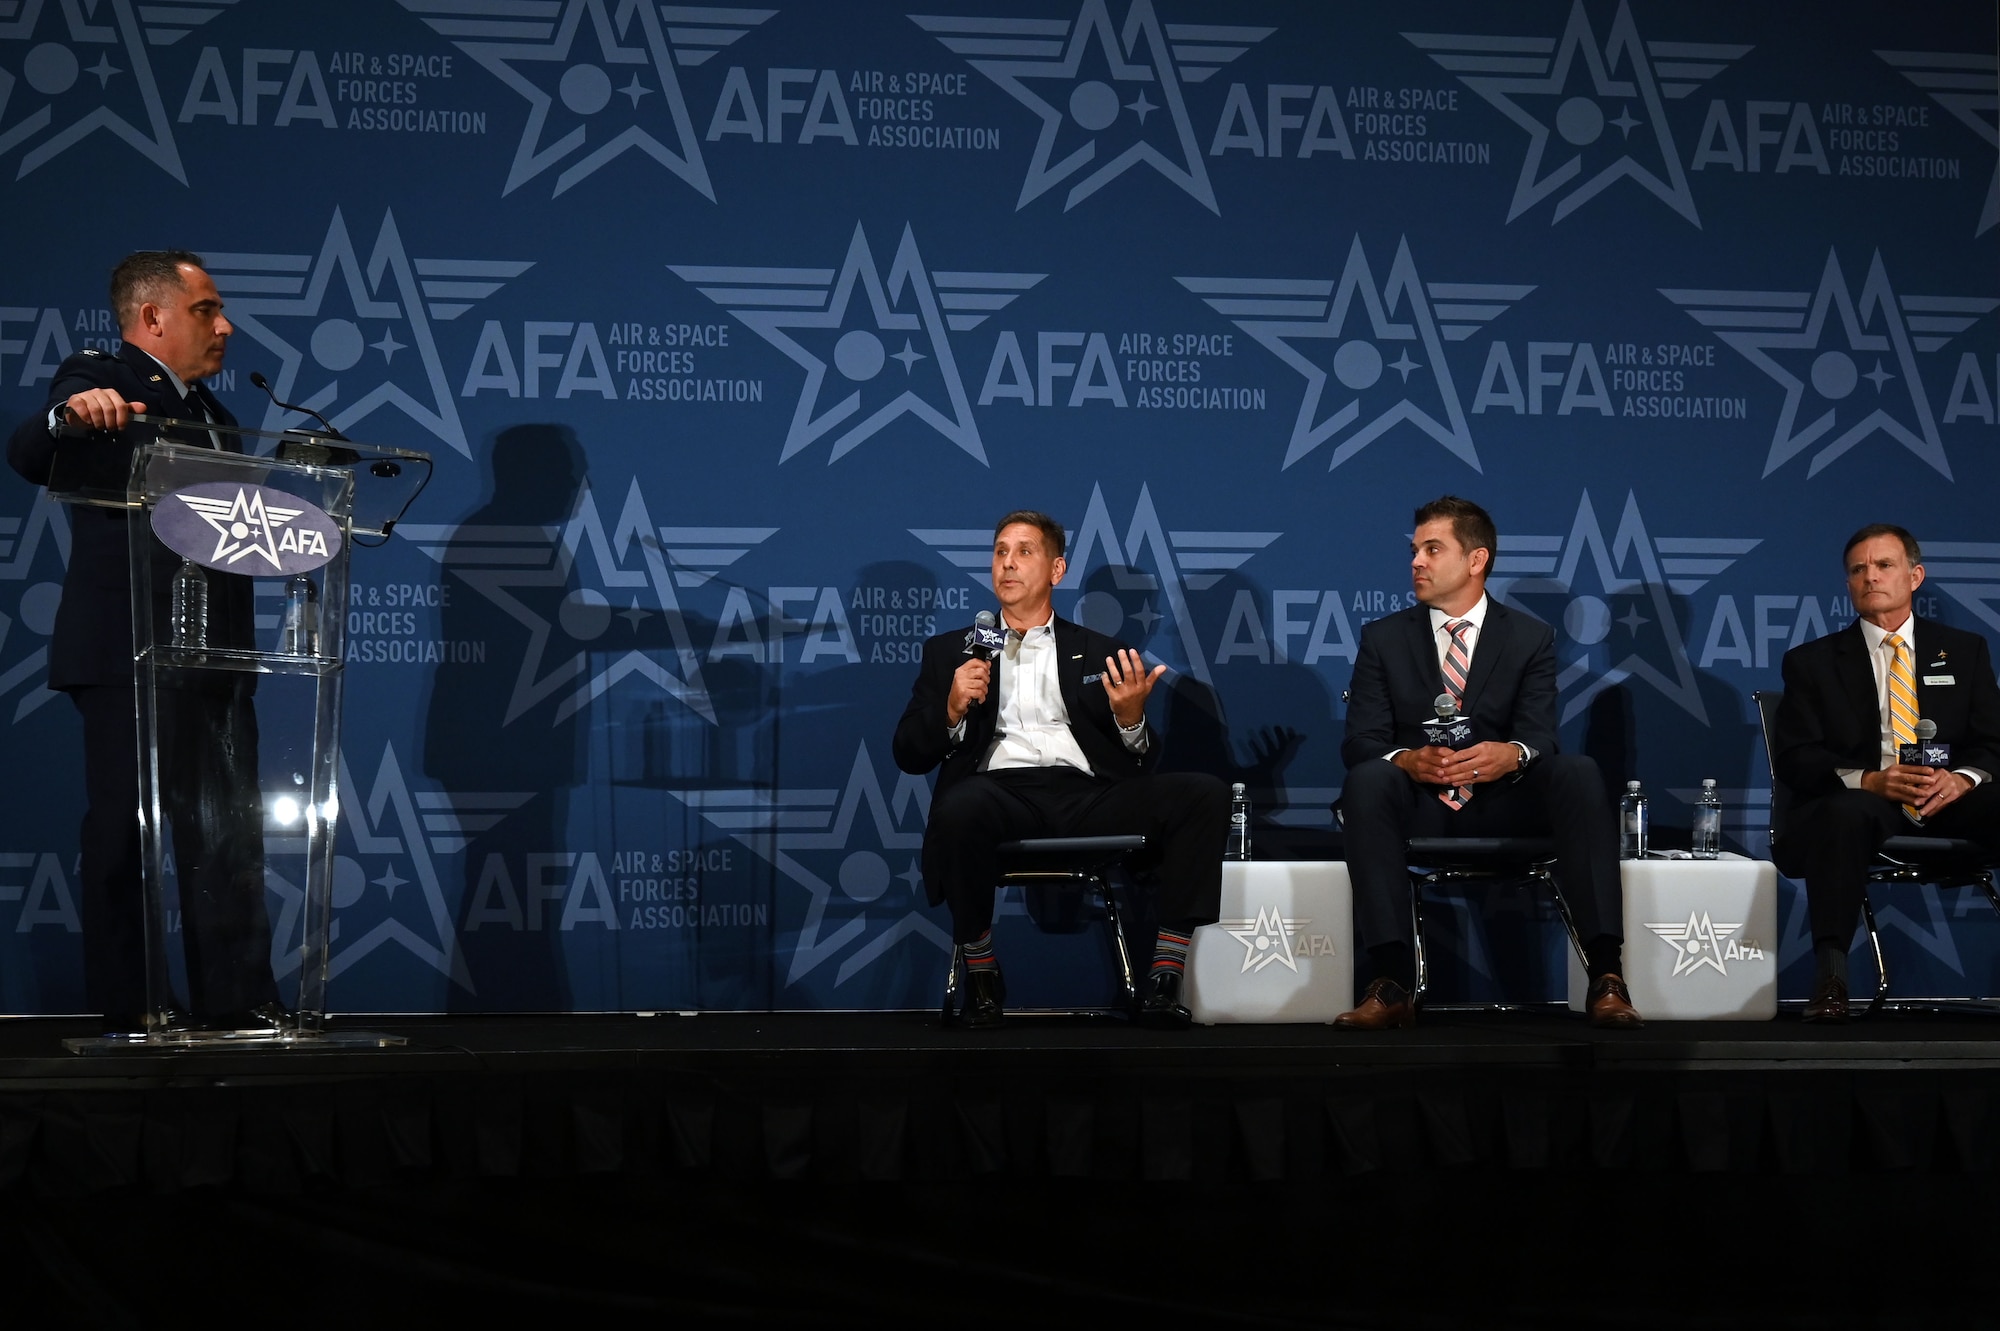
1852, 700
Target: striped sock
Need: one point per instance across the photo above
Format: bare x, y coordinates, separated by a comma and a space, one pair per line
978, 953
1170, 953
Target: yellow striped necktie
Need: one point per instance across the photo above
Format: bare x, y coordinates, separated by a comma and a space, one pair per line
1902, 701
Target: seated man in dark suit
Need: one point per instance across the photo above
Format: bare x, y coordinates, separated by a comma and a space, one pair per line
1049, 738
1852, 699
1499, 668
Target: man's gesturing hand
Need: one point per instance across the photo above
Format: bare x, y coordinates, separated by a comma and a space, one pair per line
968, 686
1128, 686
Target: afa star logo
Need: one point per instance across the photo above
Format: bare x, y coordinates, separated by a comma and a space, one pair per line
1561, 92
1969, 573
244, 526
70, 68
1612, 602
854, 318
34, 552
389, 826
1113, 580
1268, 940
599, 77
1345, 328
1698, 942
1109, 97
333, 303
861, 876
1815, 345
1968, 86
572, 653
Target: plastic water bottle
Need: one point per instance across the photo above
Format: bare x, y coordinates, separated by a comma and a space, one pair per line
1708, 822
189, 608
1239, 824
298, 634
1634, 826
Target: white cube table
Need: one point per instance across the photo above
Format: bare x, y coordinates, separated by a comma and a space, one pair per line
1283, 950
1701, 940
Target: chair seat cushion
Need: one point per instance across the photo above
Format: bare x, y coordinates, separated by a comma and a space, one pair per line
1439, 850
1073, 845
1933, 849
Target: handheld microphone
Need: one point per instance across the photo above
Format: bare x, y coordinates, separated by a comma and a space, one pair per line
1926, 752
985, 639
1450, 730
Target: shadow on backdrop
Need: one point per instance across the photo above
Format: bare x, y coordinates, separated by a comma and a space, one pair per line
509, 935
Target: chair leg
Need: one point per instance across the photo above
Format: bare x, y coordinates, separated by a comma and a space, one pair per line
1881, 964
949, 1013
1569, 922
1417, 885
1986, 885
1117, 925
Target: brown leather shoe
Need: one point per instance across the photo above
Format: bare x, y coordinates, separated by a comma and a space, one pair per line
1829, 1003
1384, 1006
1610, 1003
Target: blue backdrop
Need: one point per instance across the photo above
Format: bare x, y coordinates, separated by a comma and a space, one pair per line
733, 329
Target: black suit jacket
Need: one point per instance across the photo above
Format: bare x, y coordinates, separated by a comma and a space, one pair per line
1510, 694
92, 642
1829, 718
923, 739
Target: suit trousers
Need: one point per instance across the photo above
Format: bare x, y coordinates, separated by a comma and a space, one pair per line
209, 794
1561, 795
1184, 817
1831, 839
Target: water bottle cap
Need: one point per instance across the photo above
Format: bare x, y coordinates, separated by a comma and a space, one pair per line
1632, 786
1236, 788
1708, 783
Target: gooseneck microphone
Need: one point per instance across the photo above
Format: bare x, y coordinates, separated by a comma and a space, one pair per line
257, 378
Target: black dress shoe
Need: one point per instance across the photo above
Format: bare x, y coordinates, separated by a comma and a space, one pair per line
1829, 1002
985, 997
1162, 1009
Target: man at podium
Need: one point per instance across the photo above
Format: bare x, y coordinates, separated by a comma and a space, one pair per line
174, 335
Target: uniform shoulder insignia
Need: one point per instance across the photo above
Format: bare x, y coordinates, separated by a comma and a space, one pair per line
94, 353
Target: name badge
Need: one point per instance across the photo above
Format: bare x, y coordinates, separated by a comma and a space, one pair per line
1940, 679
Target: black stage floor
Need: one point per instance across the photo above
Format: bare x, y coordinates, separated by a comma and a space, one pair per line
1513, 1169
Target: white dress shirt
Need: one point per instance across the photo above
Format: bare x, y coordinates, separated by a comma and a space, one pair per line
1032, 729
1882, 658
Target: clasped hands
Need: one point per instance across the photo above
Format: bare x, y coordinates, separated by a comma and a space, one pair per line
1927, 789
1127, 684
1435, 765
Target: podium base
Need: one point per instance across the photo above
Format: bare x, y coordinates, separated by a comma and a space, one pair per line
208, 1041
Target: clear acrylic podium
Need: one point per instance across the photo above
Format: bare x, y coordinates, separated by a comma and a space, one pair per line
239, 574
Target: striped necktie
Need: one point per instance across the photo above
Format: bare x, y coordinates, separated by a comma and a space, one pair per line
1902, 703
1457, 665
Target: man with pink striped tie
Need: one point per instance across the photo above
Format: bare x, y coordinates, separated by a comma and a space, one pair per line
1498, 667
1852, 700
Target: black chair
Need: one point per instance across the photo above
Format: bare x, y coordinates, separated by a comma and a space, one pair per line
1063, 877
1439, 862
1942, 861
